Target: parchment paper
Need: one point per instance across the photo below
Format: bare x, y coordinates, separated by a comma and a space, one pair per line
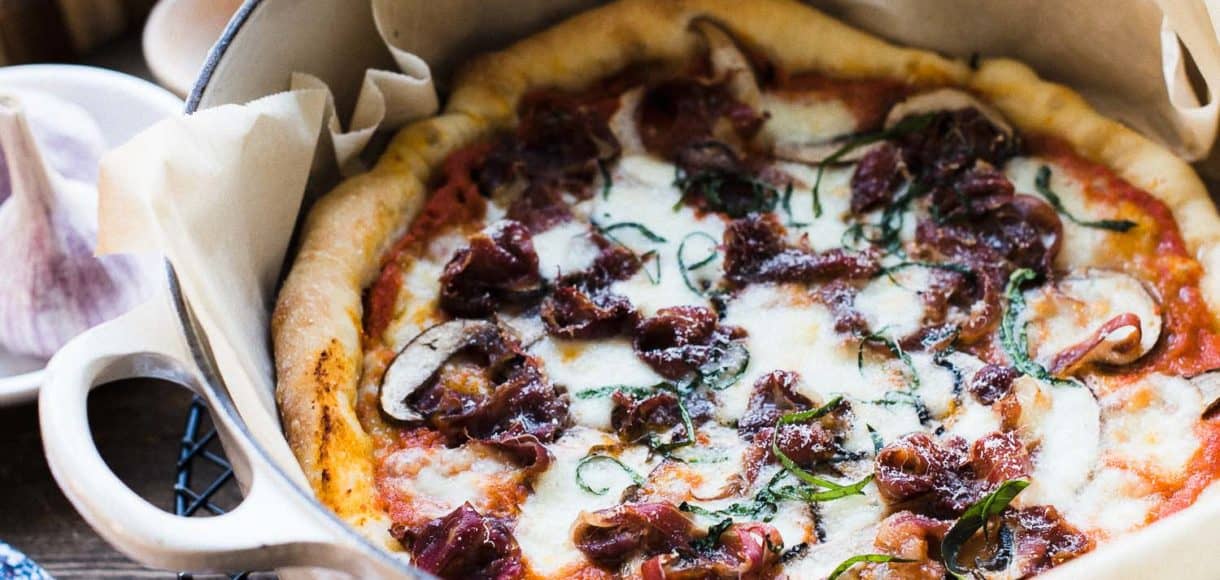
219, 192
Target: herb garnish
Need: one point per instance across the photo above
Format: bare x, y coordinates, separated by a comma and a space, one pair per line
685, 268
787, 462
894, 348
905, 398
641, 228
712, 539
1013, 334
975, 518
764, 505
786, 203
709, 183
586, 460
651, 255
908, 125
1042, 182
724, 370
679, 392
607, 181
874, 558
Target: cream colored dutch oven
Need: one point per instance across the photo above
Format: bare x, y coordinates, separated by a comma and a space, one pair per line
279, 524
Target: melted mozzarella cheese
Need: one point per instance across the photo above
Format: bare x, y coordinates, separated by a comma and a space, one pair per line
826, 231
1071, 311
581, 365
1064, 423
892, 305
544, 526
1149, 426
565, 249
643, 193
441, 480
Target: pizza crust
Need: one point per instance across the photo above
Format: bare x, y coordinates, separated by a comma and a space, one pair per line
316, 327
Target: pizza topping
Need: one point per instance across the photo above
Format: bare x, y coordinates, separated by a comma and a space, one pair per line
878, 175
1208, 384
756, 250
676, 113
774, 395
611, 536
1044, 539
713, 177
499, 266
942, 478
975, 518
745, 550
680, 340
422, 358
946, 100
915, 538
1092, 317
992, 383
638, 417
570, 312
464, 544
559, 146
489, 387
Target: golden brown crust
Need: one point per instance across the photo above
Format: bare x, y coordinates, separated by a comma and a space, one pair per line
316, 327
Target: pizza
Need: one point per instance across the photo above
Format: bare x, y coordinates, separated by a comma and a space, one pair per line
700, 288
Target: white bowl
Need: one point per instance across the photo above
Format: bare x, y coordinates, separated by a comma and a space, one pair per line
122, 106
178, 36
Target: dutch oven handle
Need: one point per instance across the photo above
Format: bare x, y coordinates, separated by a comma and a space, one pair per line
275, 526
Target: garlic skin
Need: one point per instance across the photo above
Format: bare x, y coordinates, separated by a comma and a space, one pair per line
71, 142
53, 287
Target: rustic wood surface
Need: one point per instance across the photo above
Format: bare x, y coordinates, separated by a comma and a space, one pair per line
137, 426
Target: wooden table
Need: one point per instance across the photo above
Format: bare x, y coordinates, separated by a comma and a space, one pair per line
137, 426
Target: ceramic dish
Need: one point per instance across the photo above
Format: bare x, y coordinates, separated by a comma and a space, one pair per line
122, 105
178, 36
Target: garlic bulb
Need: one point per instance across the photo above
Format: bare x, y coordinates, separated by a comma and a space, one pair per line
70, 141
53, 287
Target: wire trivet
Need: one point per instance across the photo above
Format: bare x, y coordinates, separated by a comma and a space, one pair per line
203, 484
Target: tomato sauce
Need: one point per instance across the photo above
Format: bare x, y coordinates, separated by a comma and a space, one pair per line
1190, 343
456, 201
869, 99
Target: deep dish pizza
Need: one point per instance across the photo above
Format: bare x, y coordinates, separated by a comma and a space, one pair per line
705, 289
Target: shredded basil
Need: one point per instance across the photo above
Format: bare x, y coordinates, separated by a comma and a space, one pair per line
787, 205
709, 183
808, 495
947, 266
685, 268
1042, 182
607, 181
606, 391
712, 539
905, 398
910, 124
656, 444
873, 558
878, 442
641, 228
726, 368
1013, 336
787, 462
654, 276
894, 348
973, 519
586, 460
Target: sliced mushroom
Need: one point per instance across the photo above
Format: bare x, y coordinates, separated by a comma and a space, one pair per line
944, 100
729, 63
1093, 317
423, 357
623, 123
1208, 384
526, 327
814, 153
